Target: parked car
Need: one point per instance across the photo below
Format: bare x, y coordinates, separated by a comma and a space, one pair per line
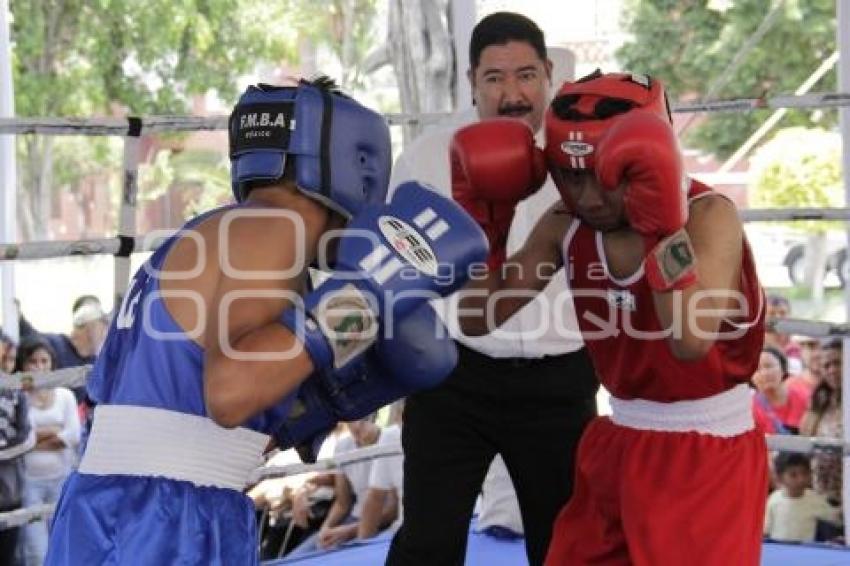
836, 259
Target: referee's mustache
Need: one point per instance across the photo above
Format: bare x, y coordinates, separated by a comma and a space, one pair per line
515, 110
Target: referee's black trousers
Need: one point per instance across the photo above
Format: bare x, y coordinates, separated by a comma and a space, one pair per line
531, 411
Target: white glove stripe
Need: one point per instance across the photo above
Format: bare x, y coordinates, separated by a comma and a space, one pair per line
425, 217
388, 270
374, 258
438, 229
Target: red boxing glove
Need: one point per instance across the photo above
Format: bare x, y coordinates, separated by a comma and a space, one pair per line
642, 150
495, 164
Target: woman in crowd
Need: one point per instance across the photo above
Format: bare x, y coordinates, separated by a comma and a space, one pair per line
824, 419
53, 413
9, 350
777, 408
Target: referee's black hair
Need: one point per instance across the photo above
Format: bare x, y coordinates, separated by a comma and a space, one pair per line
501, 27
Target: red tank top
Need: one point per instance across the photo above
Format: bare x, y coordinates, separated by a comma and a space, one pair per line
618, 322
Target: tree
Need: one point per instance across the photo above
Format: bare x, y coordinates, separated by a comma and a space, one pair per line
801, 167
76, 58
688, 44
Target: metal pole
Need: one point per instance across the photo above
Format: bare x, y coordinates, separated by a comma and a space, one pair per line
463, 17
8, 178
843, 44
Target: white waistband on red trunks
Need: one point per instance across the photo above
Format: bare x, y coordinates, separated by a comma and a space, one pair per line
726, 414
146, 441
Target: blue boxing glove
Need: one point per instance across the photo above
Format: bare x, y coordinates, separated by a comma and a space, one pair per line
390, 260
415, 354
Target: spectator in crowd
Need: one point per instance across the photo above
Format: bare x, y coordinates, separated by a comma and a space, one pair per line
53, 414
16, 438
293, 507
526, 392
779, 307
499, 515
777, 408
81, 346
350, 485
824, 419
8, 353
383, 508
793, 510
810, 376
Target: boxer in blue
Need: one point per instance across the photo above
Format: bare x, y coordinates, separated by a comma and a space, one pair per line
217, 353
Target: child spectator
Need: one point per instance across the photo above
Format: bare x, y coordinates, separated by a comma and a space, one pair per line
777, 408
824, 419
793, 510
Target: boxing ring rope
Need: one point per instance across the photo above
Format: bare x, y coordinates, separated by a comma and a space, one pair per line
155, 124
150, 242
127, 242
39, 512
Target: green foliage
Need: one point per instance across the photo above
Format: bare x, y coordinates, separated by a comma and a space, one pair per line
203, 169
76, 58
688, 45
799, 167
81, 58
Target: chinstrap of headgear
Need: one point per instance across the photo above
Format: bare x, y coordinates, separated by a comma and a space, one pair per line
342, 149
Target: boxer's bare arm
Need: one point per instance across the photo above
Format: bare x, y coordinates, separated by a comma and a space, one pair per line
250, 360
521, 278
717, 236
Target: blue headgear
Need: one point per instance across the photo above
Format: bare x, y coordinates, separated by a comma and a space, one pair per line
341, 149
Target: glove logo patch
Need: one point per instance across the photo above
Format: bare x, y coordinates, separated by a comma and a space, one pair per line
409, 244
348, 322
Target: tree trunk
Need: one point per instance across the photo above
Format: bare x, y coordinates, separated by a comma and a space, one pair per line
420, 52
815, 263
34, 193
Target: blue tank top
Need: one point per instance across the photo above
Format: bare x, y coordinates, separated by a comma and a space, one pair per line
147, 360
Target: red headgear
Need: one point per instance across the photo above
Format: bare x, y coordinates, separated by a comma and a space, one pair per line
583, 110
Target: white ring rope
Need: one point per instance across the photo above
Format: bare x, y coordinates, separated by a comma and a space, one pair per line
805, 444
66, 377
151, 124
813, 328
77, 376
156, 124
55, 249
785, 214
27, 515
811, 100
326, 465
782, 442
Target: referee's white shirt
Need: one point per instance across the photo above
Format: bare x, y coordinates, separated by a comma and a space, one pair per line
545, 326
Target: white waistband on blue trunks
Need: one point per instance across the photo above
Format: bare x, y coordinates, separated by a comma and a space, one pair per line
726, 414
146, 441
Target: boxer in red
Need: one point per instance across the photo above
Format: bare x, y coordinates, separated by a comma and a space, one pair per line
670, 307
